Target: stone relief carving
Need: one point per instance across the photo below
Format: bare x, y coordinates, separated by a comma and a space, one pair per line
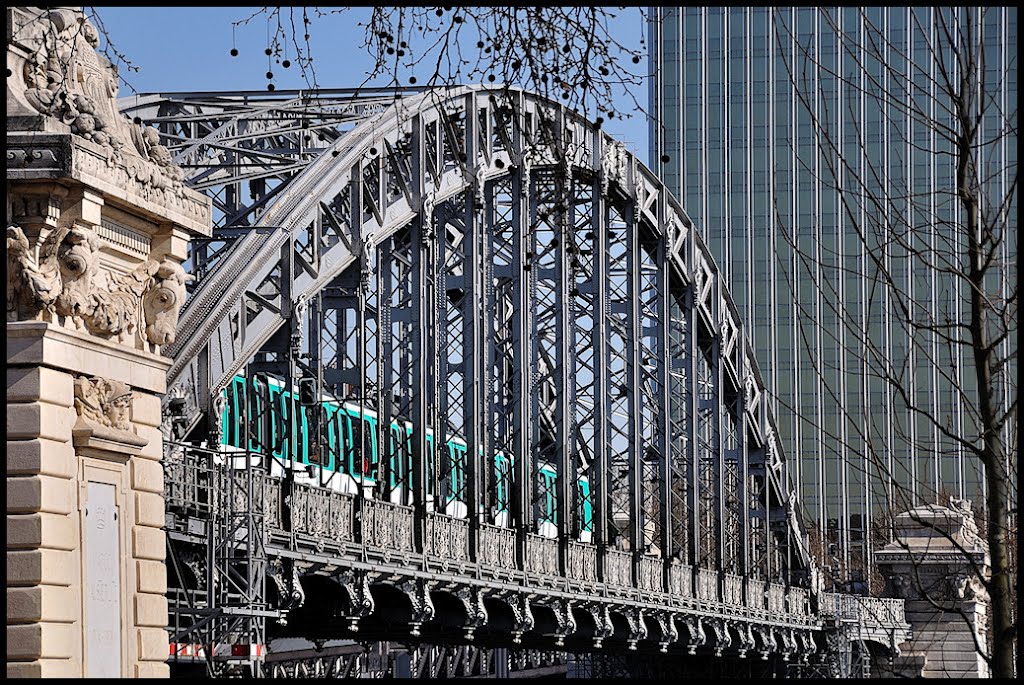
33, 281
65, 78
104, 402
64, 279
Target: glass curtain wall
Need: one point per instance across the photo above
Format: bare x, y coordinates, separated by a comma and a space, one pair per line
730, 134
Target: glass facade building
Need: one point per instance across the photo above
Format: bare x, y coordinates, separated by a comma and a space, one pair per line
736, 97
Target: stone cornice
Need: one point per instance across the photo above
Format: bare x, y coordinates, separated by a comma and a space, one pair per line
129, 181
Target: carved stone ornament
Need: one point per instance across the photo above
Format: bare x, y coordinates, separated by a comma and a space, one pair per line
722, 638
104, 417
61, 278
106, 403
476, 613
58, 73
603, 628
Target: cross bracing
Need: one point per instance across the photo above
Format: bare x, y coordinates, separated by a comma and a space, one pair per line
533, 401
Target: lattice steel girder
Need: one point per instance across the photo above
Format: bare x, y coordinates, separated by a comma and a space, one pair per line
483, 183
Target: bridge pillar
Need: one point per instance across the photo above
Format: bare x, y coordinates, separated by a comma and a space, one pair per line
97, 227
934, 564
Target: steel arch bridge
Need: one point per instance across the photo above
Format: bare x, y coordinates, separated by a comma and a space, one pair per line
486, 266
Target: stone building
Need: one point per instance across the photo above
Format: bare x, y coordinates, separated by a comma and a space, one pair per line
98, 224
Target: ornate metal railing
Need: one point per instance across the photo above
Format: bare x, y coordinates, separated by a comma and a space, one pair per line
269, 490
650, 574
797, 601
755, 594
776, 598
541, 555
707, 585
680, 579
732, 589
321, 514
582, 562
617, 569
386, 525
497, 547
188, 480
875, 610
447, 537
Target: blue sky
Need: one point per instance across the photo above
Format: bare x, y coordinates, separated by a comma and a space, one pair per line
188, 49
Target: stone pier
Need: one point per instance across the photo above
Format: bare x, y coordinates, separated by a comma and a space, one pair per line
98, 224
936, 565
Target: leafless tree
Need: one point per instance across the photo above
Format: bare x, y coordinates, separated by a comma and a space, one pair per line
569, 54
941, 105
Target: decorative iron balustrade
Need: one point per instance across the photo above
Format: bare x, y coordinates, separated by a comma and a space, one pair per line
497, 547
617, 569
270, 493
188, 481
797, 601
385, 525
776, 598
447, 537
876, 610
707, 585
322, 514
650, 574
755, 594
582, 562
541, 555
680, 580
732, 589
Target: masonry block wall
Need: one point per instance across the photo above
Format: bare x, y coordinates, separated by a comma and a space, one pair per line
98, 224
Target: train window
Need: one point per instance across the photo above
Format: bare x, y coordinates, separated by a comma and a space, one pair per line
256, 419
397, 461
278, 422
346, 444
502, 481
586, 507
456, 471
364, 434
329, 441
305, 442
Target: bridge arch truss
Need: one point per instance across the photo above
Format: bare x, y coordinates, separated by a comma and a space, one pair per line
487, 265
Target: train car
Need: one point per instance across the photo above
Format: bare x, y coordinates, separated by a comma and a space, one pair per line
347, 457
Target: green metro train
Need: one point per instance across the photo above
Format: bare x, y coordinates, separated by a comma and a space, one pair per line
350, 457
